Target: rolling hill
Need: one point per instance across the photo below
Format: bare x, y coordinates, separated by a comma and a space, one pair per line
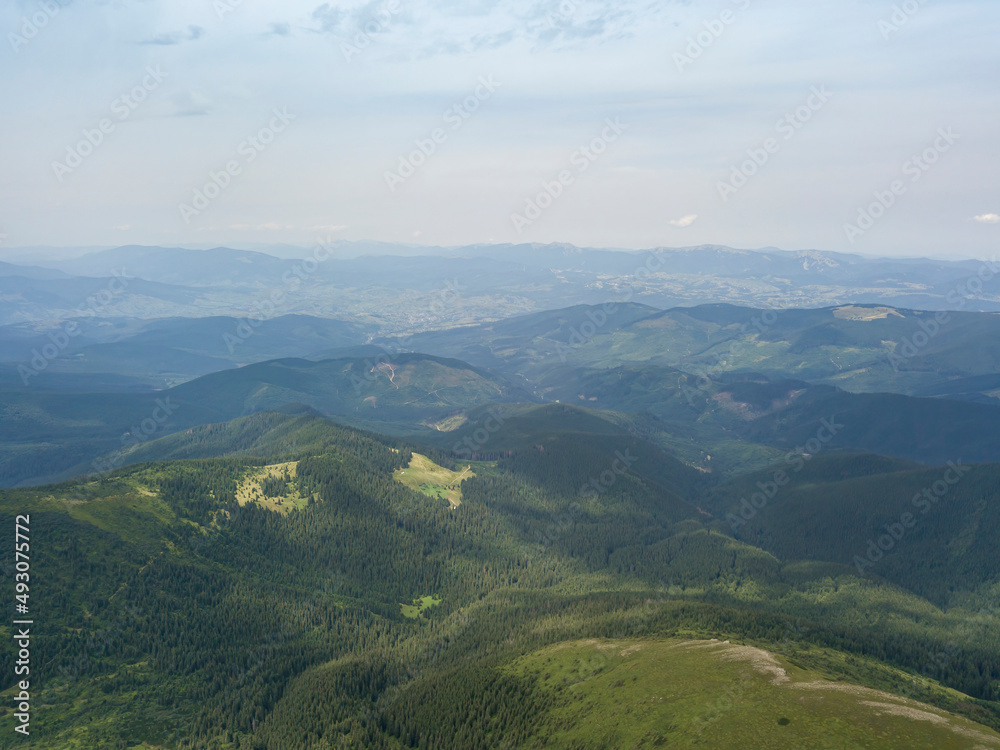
860, 348
554, 609
907, 524
53, 435
165, 352
786, 415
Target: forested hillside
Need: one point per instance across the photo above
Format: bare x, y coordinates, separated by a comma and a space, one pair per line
188, 604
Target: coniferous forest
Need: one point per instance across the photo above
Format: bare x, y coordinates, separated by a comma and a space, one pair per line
178, 616
523, 375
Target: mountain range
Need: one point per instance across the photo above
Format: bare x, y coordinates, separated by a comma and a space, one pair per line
503, 497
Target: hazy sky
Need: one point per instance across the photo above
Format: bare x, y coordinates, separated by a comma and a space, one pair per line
652, 123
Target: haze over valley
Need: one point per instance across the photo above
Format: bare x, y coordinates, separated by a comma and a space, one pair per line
421, 375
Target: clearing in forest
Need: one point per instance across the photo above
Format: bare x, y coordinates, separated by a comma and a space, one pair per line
273, 488
865, 314
425, 476
415, 611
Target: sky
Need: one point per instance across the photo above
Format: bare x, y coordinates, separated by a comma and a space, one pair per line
865, 126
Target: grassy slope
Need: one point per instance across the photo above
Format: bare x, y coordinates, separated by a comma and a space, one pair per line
712, 694
585, 570
426, 477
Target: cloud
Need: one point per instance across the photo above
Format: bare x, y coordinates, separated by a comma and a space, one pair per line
279, 29
193, 33
462, 27
329, 18
685, 221
368, 18
572, 21
988, 219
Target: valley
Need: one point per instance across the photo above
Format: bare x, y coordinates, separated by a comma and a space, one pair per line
597, 526
528, 375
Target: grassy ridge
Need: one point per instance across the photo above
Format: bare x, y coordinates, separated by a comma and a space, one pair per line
643, 693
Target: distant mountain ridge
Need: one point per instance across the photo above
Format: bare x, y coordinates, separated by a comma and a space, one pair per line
405, 291
166, 351
855, 347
